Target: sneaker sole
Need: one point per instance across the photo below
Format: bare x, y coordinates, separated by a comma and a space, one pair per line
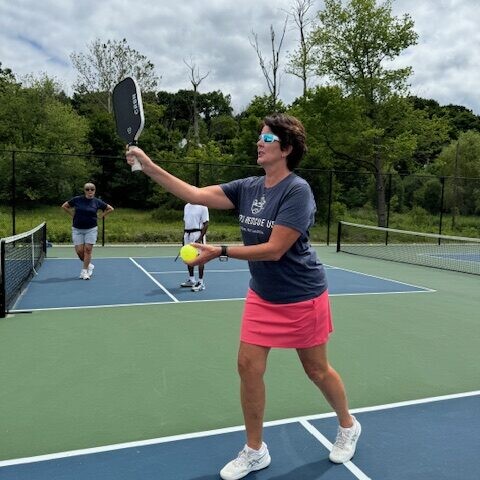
242, 475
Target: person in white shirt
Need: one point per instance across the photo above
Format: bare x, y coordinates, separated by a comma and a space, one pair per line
196, 220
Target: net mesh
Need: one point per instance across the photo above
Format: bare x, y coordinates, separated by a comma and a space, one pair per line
459, 254
21, 255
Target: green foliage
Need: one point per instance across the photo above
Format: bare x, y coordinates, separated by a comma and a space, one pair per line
106, 63
34, 118
460, 161
355, 41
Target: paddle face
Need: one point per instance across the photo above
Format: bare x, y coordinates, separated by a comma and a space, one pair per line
128, 109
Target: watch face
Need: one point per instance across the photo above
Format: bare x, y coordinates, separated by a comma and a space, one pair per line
223, 258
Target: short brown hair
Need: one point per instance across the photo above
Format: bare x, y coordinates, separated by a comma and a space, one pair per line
291, 132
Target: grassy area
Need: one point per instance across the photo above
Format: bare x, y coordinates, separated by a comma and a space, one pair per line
127, 225
165, 226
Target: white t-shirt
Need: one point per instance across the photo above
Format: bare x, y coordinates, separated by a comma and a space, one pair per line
194, 216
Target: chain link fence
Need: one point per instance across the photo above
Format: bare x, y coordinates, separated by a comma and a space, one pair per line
432, 204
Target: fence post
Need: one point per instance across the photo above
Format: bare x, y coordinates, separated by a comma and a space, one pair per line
389, 197
14, 193
442, 181
197, 175
339, 235
103, 231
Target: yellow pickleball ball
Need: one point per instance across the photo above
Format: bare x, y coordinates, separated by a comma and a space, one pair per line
188, 253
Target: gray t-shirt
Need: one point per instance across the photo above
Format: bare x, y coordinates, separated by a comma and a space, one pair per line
298, 275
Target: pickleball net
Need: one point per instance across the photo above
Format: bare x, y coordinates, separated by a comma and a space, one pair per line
20, 257
460, 254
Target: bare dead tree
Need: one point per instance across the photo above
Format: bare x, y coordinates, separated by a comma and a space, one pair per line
270, 69
195, 80
300, 63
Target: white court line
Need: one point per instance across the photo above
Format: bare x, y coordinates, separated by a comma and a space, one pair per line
328, 445
220, 431
378, 293
201, 300
382, 278
233, 270
158, 284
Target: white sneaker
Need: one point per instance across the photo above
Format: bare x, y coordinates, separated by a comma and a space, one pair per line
344, 447
198, 286
84, 275
188, 283
248, 460
91, 266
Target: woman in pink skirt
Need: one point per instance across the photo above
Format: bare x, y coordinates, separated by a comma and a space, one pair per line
287, 304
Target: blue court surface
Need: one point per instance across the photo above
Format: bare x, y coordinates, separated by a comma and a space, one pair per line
397, 443
141, 281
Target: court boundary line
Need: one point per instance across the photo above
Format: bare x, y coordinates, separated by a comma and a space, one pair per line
220, 431
200, 300
328, 445
180, 302
382, 278
158, 284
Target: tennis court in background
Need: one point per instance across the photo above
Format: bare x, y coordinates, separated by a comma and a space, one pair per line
135, 377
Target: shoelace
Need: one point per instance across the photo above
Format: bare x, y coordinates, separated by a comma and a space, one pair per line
244, 459
342, 439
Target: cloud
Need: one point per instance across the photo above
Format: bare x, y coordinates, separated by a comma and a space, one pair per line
214, 34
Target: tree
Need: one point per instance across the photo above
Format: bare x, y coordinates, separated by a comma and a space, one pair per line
460, 118
300, 61
460, 161
270, 70
354, 44
105, 64
35, 118
6, 77
195, 80
340, 137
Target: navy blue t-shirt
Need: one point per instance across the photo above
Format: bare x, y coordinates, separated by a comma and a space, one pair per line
298, 275
86, 211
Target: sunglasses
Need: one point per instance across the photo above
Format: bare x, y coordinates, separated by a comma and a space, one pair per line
89, 189
268, 137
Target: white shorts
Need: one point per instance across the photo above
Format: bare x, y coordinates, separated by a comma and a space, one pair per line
192, 238
80, 236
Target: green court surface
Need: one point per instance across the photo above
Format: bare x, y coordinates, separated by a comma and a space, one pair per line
81, 378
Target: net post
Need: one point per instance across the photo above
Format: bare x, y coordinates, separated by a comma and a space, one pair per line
32, 250
44, 239
339, 234
329, 216
3, 302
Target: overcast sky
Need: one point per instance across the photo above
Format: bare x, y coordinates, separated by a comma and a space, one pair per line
39, 36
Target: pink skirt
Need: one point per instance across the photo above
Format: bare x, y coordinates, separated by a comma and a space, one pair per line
286, 325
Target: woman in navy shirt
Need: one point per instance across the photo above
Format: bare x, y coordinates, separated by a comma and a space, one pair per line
287, 304
84, 209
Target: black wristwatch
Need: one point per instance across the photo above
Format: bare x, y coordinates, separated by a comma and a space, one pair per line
223, 254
